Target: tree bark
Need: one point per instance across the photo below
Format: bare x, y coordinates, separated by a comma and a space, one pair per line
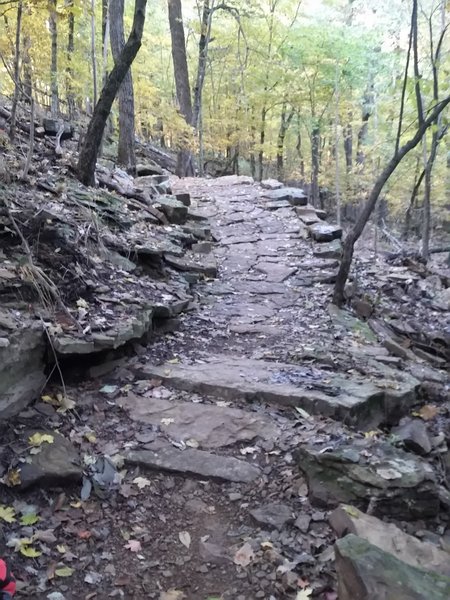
54, 60
185, 165
262, 138
12, 128
348, 144
126, 150
357, 229
89, 151
315, 158
69, 71
284, 126
94, 53
202, 56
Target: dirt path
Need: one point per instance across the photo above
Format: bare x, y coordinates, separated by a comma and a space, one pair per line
207, 500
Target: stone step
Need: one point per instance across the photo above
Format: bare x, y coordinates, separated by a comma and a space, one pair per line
324, 232
195, 462
358, 401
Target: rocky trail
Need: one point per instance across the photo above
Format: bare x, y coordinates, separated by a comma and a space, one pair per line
205, 462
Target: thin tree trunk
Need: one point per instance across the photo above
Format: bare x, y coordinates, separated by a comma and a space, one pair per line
94, 53
27, 87
348, 143
69, 70
185, 165
337, 173
367, 110
356, 231
315, 159
262, 138
12, 128
203, 43
126, 150
54, 107
284, 126
89, 151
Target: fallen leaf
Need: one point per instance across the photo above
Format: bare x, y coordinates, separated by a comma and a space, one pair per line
244, 555
29, 519
172, 595
47, 536
428, 412
13, 478
185, 538
133, 546
40, 438
302, 412
174, 361
167, 421
65, 403
192, 443
29, 551
64, 572
84, 534
61, 548
7, 514
249, 450
90, 437
109, 389
304, 594
142, 482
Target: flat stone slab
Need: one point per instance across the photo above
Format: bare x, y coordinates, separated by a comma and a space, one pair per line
277, 204
193, 263
271, 184
324, 232
274, 515
330, 250
175, 211
276, 273
359, 401
210, 425
366, 572
195, 462
56, 463
294, 196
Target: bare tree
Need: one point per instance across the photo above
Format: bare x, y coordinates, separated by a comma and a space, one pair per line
89, 150
12, 128
126, 150
54, 59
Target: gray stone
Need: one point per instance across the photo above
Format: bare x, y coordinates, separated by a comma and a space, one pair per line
175, 211
302, 522
324, 232
184, 198
202, 248
4, 342
293, 196
394, 482
193, 263
414, 435
352, 398
330, 250
271, 184
277, 205
210, 425
275, 515
441, 300
195, 462
275, 272
307, 215
389, 538
55, 464
149, 168
21, 369
365, 572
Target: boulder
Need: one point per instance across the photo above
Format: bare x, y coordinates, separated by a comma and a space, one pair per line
365, 572
271, 184
149, 168
413, 434
52, 127
21, 369
56, 463
184, 198
330, 250
175, 211
371, 473
324, 232
389, 538
154, 184
294, 196
274, 515
194, 263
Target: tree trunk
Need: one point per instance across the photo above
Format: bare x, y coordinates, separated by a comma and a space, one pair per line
27, 71
367, 110
126, 150
94, 53
54, 60
12, 128
284, 126
69, 71
357, 229
185, 165
201, 68
348, 144
262, 137
315, 159
89, 151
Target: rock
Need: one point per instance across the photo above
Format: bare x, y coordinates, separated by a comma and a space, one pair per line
324, 232
389, 538
271, 184
149, 168
21, 369
414, 435
307, 215
175, 211
193, 263
354, 399
293, 196
302, 522
235, 180
202, 248
195, 462
388, 479
200, 232
4, 342
277, 204
52, 127
154, 184
396, 349
184, 198
363, 308
331, 250
275, 272
56, 463
441, 300
365, 572
275, 515
213, 553
195, 215
210, 425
